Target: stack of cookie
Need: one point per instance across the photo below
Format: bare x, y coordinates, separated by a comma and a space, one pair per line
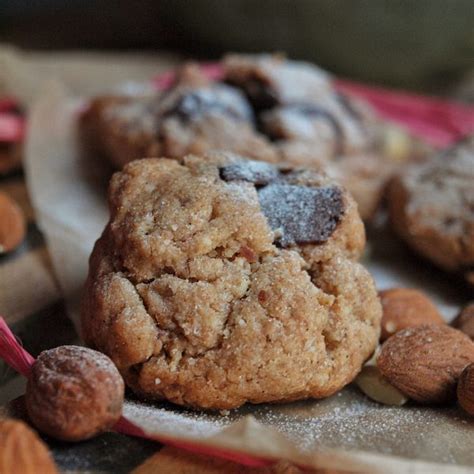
266, 108
432, 208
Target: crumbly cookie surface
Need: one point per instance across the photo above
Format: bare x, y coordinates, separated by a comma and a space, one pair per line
205, 295
432, 208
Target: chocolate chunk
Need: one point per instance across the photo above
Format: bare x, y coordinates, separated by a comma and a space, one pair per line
256, 172
196, 104
301, 214
349, 107
259, 92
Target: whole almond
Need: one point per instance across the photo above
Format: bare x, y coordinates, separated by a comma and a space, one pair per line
466, 389
425, 362
21, 451
12, 224
404, 308
464, 321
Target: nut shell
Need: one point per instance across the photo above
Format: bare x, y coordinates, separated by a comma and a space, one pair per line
74, 393
464, 321
404, 308
21, 451
426, 361
466, 389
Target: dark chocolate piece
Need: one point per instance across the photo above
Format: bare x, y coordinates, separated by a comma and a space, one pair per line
301, 214
348, 105
259, 93
196, 104
256, 172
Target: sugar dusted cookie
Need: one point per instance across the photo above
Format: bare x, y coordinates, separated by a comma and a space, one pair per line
432, 208
219, 281
266, 108
194, 116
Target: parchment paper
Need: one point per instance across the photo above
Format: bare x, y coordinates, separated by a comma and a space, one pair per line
346, 431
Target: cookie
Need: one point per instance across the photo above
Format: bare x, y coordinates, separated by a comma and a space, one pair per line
267, 108
194, 116
305, 107
331, 123
220, 281
432, 208
271, 80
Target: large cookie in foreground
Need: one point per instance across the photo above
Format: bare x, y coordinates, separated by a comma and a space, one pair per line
219, 281
432, 208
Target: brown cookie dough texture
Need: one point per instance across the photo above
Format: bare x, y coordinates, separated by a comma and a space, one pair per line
432, 208
206, 294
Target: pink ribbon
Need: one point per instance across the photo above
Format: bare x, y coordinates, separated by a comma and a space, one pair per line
12, 352
12, 125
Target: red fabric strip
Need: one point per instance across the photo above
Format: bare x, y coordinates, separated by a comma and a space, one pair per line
12, 352
126, 427
438, 122
12, 127
8, 104
213, 71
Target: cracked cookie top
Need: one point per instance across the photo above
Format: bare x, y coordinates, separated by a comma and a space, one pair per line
219, 281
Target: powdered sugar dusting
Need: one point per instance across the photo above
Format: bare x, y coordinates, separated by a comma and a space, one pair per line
256, 172
347, 420
302, 213
65, 362
172, 421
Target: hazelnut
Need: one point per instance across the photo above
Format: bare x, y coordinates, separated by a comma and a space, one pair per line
405, 307
464, 321
465, 389
74, 393
12, 224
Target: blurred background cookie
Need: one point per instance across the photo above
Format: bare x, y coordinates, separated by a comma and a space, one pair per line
432, 208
